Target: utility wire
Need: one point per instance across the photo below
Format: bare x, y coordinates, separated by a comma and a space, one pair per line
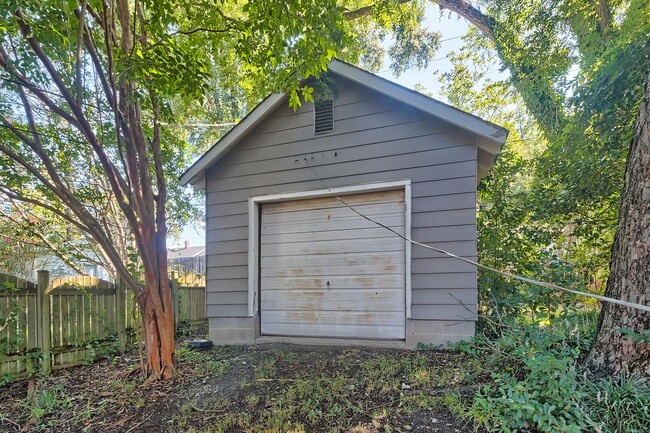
191, 125
478, 265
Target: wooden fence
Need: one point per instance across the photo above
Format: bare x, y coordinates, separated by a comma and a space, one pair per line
72, 320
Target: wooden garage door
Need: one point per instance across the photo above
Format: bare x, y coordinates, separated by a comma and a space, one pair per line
327, 272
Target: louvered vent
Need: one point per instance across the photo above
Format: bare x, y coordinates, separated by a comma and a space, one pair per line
323, 116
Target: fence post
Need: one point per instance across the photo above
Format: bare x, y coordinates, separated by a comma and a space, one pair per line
120, 312
43, 301
173, 284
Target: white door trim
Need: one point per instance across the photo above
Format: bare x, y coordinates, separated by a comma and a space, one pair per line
254, 229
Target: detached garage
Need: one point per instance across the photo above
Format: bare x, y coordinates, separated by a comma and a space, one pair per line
304, 210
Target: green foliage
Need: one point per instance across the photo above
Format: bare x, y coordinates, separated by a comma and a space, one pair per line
46, 401
619, 404
100, 348
549, 207
266, 368
536, 381
185, 60
320, 400
552, 395
545, 400
204, 362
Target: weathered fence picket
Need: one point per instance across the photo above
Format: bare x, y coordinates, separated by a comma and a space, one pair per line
19, 338
70, 320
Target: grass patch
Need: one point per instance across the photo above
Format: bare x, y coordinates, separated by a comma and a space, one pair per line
45, 402
266, 368
620, 404
341, 390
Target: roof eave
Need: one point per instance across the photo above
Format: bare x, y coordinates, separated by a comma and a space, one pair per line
195, 173
436, 108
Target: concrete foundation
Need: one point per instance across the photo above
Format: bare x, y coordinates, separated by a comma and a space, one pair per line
245, 330
437, 332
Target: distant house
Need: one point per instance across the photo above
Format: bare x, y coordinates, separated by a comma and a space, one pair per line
289, 258
26, 265
187, 259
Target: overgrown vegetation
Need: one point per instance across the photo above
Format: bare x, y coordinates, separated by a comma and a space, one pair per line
537, 382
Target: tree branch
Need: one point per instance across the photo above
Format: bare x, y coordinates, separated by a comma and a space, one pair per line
80, 32
604, 12
22, 80
541, 99
364, 11
10, 193
48, 244
94, 56
117, 182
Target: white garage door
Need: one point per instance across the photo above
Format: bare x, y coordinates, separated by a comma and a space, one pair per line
327, 272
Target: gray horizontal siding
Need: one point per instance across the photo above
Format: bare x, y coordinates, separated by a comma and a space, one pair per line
217, 309
444, 296
290, 171
374, 140
444, 144
444, 312
305, 180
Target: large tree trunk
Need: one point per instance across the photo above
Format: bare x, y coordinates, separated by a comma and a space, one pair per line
158, 332
629, 277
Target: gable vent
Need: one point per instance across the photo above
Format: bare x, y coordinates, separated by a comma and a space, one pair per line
323, 116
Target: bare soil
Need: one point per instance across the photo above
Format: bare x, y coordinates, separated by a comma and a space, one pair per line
265, 388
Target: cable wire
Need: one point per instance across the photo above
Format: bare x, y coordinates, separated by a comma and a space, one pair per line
480, 266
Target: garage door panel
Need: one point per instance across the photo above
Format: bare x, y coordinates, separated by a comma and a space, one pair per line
392, 220
375, 268
340, 234
335, 317
328, 272
335, 260
376, 332
360, 246
345, 299
320, 215
335, 306
333, 203
335, 282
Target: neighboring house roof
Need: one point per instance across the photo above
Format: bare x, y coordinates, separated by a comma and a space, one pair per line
185, 252
491, 136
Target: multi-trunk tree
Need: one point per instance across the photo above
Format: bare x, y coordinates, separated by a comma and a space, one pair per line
85, 87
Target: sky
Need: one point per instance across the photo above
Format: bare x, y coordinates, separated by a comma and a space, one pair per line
451, 28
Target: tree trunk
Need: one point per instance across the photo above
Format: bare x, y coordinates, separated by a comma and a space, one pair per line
629, 277
158, 332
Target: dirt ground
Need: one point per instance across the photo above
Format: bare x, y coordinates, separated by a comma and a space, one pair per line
265, 388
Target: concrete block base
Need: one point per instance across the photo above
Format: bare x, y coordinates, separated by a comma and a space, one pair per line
245, 330
437, 332
233, 330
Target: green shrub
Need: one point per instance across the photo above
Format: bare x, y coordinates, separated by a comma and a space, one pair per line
536, 385
619, 404
546, 399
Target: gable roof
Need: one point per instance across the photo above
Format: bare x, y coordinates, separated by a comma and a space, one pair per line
185, 252
491, 137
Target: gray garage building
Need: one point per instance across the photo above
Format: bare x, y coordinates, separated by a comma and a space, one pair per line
290, 258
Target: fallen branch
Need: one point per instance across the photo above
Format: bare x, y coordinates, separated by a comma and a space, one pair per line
4, 418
